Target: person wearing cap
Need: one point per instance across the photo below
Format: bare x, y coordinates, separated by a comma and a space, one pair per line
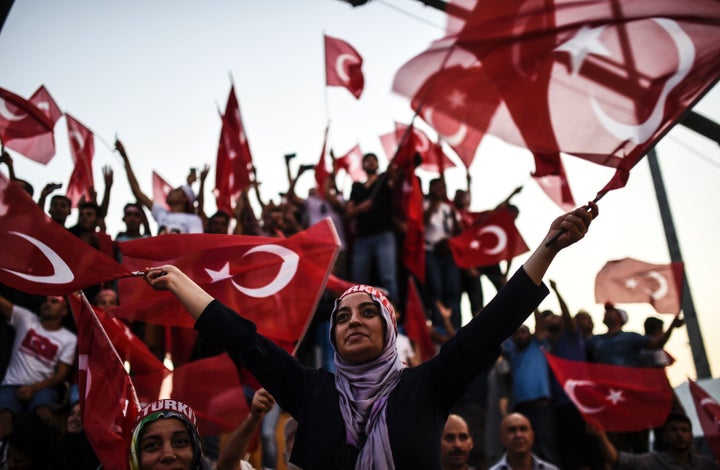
373, 412
165, 435
42, 354
680, 454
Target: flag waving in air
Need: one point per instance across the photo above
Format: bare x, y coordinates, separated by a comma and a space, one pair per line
276, 283
343, 66
41, 257
82, 147
629, 280
39, 147
615, 398
602, 80
20, 118
708, 411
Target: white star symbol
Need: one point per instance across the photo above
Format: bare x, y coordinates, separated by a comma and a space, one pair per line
615, 396
631, 283
217, 276
474, 245
586, 41
457, 99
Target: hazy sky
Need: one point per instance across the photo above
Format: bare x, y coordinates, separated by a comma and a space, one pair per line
155, 73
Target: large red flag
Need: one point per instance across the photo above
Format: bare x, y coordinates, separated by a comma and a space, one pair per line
40, 147
615, 398
82, 147
708, 411
603, 80
493, 239
351, 162
107, 398
39, 256
213, 390
20, 119
161, 188
343, 66
274, 282
416, 325
629, 280
232, 171
557, 188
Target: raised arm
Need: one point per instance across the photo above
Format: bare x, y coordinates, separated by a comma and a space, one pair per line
567, 319
171, 279
132, 180
572, 227
659, 342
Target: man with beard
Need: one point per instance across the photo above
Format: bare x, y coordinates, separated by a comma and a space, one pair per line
456, 444
680, 454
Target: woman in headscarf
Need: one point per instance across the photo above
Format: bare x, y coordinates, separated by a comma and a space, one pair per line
373, 413
165, 435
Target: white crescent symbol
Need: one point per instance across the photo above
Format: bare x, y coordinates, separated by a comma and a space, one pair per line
83, 365
569, 388
707, 401
501, 236
44, 105
5, 112
340, 66
78, 138
662, 289
284, 276
62, 274
643, 131
454, 140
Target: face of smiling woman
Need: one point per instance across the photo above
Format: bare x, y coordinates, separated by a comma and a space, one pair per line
359, 328
166, 445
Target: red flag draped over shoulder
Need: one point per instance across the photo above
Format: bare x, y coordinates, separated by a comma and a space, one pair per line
600, 80
615, 398
39, 147
107, 396
343, 66
708, 411
276, 283
232, 173
39, 256
492, 239
82, 147
629, 280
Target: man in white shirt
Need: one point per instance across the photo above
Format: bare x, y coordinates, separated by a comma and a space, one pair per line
517, 436
42, 355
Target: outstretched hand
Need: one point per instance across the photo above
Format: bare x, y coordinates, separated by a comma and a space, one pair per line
571, 227
170, 278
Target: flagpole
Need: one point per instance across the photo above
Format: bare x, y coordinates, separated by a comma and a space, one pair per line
697, 345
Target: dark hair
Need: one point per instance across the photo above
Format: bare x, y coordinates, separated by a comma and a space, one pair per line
60, 196
220, 214
675, 417
90, 205
132, 204
369, 155
653, 325
27, 187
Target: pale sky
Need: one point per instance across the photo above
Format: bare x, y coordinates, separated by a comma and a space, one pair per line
155, 73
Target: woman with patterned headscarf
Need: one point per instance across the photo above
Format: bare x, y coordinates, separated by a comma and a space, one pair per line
165, 435
373, 413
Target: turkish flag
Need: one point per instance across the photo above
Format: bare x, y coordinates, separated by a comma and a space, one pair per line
343, 66
629, 280
40, 147
337, 285
39, 256
708, 411
20, 119
276, 283
232, 174
602, 81
351, 162
211, 387
615, 398
493, 239
82, 147
321, 171
433, 157
107, 397
557, 188
146, 369
161, 188
416, 325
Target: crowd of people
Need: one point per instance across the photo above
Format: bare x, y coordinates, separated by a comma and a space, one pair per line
357, 391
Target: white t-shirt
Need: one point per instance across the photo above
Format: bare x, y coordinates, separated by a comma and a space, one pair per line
36, 351
440, 224
176, 222
317, 209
